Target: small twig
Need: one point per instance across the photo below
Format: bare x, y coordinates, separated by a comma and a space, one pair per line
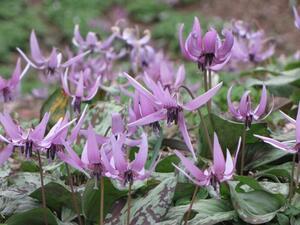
191, 206
292, 178
43, 188
74, 199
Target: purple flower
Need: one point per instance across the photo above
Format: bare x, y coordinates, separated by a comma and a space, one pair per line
58, 135
162, 70
193, 173
297, 17
82, 92
90, 161
8, 87
49, 64
209, 52
244, 111
120, 168
31, 139
91, 41
167, 106
255, 47
288, 146
221, 170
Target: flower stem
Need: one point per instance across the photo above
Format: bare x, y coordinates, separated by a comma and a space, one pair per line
191, 205
209, 87
243, 151
43, 188
201, 118
74, 199
292, 178
101, 222
298, 170
129, 203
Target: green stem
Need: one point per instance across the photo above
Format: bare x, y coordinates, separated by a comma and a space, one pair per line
209, 87
74, 198
191, 206
243, 151
298, 170
101, 222
43, 188
128, 203
201, 118
292, 178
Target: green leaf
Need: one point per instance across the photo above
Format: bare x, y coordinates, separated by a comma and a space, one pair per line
57, 196
91, 199
148, 209
256, 206
166, 165
32, 217
223, 126
56, 105
208, 212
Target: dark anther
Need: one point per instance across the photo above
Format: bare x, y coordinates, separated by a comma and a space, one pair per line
6, 95
77, 104
97, 171
248, 121
51, 152
28, 149
128, 177
172, 115
155, 126
251, 57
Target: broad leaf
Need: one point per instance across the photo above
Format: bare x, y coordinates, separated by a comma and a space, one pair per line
149, 209
256, 206
208, 211
32, 217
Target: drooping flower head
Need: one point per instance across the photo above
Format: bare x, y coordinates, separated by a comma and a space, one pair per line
208, 51
244, 111
220, 171
297, 17
32, 139
119, 167
82, 91
10, 86
250, 45
288, 146
167, 106
49, 65
91, 42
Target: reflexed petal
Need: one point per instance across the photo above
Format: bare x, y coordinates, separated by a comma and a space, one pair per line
209, 41
276, 144
117, 124
77, 39
180, 76
118, 154
76, 129
75, 59
261, 108
190, 167
226, 47
151, 118
297, 18
237, 151
202, 99
298, 125
197, 30
141, 157
39, 131
9, 126
140, 88
35, 49
219, 161
64, 81
54, 60
231, 107
185, 134
93, 91
229, 166
16, 75
181, 42
5, 153
80, 87
92, 147
244, 104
